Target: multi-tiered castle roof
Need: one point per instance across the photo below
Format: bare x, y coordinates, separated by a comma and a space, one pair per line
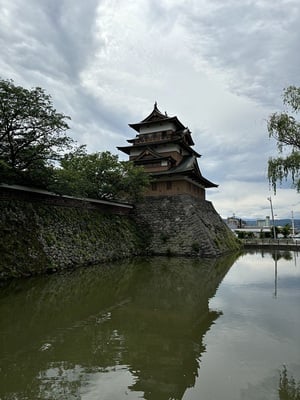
163, 146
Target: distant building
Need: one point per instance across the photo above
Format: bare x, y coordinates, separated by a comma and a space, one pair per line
163, 146
261, 223
235, 223
256, 228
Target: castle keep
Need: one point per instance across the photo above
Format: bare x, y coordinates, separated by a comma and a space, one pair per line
175, 212
163, 146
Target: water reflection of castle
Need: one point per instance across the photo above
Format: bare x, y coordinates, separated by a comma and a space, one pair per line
149, 316
165, 323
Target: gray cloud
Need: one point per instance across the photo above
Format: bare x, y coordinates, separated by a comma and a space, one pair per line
219, 66
54, 38
252, 41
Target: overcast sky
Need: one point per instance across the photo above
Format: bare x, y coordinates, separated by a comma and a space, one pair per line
219, 65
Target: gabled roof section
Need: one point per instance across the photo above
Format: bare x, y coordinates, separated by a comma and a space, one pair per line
157, 116
149, 153
150, 156
189, 167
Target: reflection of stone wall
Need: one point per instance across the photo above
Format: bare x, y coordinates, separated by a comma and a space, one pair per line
171, 314
149, 315
183, 225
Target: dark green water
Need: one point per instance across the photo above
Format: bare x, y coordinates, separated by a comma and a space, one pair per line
154, 329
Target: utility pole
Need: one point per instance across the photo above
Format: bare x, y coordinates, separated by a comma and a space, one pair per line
272, 213
293, 225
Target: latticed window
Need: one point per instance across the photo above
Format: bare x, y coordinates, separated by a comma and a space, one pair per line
169, 185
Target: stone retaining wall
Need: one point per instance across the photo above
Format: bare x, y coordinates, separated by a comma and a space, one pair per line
39, 238
32, 195
184, 225
43, 234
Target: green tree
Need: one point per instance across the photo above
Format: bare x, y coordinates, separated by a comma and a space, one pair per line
100, 176
285, 129
277, 231
286, 230
289, 388
32, 134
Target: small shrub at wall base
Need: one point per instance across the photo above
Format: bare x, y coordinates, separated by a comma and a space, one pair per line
164, 237
195, 247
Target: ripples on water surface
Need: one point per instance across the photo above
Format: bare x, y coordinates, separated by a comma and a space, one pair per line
156, 329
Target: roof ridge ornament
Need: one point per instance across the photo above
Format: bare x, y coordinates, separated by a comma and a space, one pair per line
155, 108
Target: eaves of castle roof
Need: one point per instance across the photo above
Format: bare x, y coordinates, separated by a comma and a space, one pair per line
188, 167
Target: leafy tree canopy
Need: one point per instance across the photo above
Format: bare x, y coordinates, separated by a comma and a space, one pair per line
285, 129
289, 388
100, 176
32, 133
33, 136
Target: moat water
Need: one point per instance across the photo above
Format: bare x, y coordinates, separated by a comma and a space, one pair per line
159, 329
